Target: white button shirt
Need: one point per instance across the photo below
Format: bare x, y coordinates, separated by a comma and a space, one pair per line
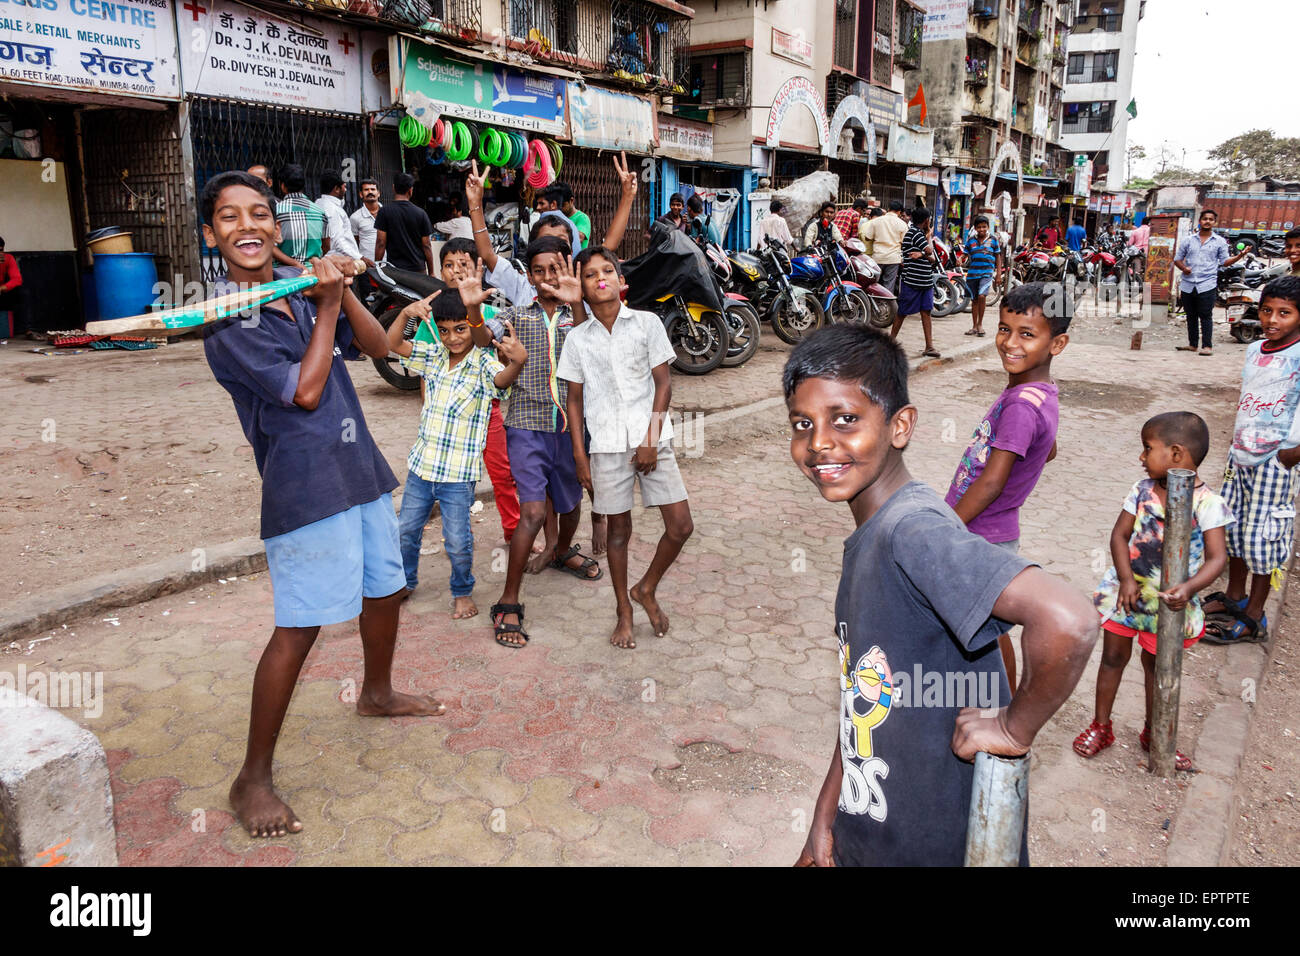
338, 228
363, 227
613, 368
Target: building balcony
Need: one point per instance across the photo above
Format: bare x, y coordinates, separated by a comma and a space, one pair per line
911, 26
720, 80
977, 74
1029, 19
985, 9
643, 43
454, 18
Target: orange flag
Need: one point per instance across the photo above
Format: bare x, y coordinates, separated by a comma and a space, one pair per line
919, 100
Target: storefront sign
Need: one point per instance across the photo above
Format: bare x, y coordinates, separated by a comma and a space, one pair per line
603, 119
127, 48
885, 106
684, 139
929, 176
235, 51
944, 20
792, 47
911, 144
430, 85
959, 184
798, 90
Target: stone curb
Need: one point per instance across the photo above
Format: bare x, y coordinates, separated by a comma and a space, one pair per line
117, 589
1203, 831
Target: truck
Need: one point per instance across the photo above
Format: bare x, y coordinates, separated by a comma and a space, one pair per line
1251, 218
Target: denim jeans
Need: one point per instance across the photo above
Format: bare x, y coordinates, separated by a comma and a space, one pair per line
454, 499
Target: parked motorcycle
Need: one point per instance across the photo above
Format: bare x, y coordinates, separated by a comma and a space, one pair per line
740, 313
1039, 265
794, 310
883, 304
951, 294
824, 268
1250, 273
693, 313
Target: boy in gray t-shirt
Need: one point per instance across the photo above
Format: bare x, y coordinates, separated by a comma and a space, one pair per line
920, 606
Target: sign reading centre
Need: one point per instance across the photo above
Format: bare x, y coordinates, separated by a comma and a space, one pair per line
430, 85
232, 50
126, 47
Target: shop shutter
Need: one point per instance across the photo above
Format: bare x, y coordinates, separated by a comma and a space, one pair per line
596, 190
134, 178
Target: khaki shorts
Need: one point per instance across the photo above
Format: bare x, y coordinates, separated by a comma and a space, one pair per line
613, 476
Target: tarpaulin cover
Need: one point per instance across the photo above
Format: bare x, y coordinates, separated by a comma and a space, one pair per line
673, 263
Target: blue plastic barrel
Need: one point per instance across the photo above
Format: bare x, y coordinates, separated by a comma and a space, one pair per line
124, 283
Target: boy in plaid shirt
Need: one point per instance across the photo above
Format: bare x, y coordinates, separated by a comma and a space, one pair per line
460, 382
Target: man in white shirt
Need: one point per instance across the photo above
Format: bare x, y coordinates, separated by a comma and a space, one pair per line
337, 226
457, 225
363, 220
616, 364
773, 225
885, 234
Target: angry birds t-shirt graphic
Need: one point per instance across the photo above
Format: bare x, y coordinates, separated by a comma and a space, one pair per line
866, 694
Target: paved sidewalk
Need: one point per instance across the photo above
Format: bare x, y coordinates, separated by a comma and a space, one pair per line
571, 751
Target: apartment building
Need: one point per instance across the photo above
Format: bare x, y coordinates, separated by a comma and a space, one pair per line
1099, 84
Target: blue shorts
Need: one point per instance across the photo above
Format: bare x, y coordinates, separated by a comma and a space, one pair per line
979, 285
321, 571
912, 300
542, 464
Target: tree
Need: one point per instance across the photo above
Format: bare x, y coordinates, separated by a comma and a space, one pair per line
1257, 152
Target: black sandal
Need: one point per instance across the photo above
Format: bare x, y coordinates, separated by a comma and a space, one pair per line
561, 564
499, 628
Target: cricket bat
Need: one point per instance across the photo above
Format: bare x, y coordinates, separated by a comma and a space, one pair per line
186, 318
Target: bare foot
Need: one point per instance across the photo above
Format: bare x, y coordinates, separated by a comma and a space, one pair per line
599, 534
622, 633
399, 705
262, 813
658, 619
538, 548
463, 607
540, 559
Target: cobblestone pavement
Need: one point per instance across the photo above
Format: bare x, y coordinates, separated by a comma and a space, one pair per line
572, 751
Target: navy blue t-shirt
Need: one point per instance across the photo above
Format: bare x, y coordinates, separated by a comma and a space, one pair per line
918, 642
313, 463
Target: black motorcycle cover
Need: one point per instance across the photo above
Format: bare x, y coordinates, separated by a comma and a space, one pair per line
673, 263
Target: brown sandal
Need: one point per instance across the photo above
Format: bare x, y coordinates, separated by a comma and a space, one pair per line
1094, 740
1181, 760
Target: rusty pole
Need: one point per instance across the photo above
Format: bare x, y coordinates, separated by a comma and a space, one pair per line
998, 800
1170, 624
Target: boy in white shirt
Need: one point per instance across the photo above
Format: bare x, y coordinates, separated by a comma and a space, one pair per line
617, 370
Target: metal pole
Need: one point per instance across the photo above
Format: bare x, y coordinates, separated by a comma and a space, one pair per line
1170, 624
998, 801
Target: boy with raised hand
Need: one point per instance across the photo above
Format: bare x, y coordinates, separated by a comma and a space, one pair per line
327, 516
541, 454
617, 370
1017, 438
919, 593
460, 383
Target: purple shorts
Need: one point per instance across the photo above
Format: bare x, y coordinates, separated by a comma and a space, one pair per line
542, 464
912, 300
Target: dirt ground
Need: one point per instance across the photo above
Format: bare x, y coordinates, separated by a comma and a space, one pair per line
1267, 828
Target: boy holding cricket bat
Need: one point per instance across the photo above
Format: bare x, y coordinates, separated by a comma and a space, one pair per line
327, 517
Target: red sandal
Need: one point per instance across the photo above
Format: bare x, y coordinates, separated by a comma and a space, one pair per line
1181, 761
1094, 740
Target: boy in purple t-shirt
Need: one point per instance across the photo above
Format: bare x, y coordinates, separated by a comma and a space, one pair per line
1018, 435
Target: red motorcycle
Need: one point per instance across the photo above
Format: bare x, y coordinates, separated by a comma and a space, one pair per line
951, 294
884, 307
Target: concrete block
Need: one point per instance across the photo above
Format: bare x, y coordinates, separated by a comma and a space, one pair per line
1222, 742
1200, 835
56, 806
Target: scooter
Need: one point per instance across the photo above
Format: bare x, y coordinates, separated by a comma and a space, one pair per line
740, 313
1243, 313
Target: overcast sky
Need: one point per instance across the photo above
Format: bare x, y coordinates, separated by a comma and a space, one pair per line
1207, 70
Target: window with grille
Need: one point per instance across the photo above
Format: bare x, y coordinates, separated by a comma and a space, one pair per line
970, 138
846, 27
1095, 117
1006, 68
882, 55
553, 19
718, 79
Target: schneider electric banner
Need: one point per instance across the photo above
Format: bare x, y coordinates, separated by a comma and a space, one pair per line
235, 51
125, 47
430, 85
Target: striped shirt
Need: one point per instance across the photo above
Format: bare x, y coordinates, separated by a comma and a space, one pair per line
302, 227
538, 395
454, 420
918, 273
983, 256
